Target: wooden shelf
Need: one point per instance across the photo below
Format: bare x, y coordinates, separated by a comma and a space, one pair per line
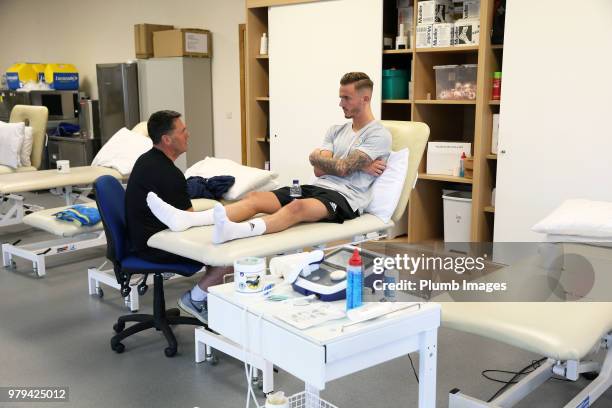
489, 209
444, 102
467, 48
262, 56
262, 98
497, 46
491, 156
261, 140
439, 177
397, 101
408, 51
494, 102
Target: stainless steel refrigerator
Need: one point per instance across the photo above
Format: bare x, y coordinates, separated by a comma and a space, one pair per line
118, 95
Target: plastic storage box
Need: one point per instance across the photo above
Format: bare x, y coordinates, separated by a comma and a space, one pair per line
395, 84
456, 82
457, 216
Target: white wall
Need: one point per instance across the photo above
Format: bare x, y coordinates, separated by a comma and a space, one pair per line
88, 32
555, 112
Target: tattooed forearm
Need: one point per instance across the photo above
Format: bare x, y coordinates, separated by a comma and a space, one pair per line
355, 161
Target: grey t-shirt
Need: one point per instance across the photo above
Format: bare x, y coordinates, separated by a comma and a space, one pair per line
374, 140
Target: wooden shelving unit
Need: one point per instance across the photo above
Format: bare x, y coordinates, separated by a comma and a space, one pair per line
449, 120
397, 101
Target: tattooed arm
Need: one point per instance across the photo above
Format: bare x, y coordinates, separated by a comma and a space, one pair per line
324, 164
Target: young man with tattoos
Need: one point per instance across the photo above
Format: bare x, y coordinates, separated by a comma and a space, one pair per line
347, 163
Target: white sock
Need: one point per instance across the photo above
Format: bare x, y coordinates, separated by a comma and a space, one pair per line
198, 294
175, 219
226, 230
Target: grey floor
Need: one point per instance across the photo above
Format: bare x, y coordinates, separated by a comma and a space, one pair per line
52, 333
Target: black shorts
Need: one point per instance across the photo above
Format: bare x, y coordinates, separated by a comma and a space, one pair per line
338, 208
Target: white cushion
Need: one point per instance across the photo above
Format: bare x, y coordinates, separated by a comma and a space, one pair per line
11, 140
269, 186
247, 178
26, 147
387, 188
121, 151
579, 217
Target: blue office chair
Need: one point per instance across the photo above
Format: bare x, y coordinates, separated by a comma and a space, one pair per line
110, 197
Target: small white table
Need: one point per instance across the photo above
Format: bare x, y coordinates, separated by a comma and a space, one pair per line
322, 353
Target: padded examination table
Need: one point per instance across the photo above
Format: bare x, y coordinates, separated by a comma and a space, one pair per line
196, 243
20, 182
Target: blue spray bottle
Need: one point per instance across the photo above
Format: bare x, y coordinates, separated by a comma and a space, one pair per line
354, 281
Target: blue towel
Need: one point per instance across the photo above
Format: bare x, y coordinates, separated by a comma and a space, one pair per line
80, 215
213, 188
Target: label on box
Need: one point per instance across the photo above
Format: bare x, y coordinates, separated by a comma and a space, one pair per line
495, 133
67, 81
424, 34
434, 11
445, 157
196, 42
443, 35
471, 8
467, 32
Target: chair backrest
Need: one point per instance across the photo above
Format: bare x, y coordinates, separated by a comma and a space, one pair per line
412, 135
37, 117
110, 198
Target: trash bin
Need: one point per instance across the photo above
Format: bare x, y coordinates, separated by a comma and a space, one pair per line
457, 216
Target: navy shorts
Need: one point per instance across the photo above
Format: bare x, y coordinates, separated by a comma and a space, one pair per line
338, 208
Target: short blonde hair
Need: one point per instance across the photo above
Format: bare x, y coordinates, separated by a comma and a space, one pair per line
360, 79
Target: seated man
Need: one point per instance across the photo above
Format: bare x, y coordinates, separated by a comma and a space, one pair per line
154, 171
351, 157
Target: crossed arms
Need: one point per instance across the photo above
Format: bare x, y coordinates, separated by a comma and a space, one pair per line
324, 163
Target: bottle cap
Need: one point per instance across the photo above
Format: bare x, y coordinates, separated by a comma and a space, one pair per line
296, 181
355, 259
463, 156
497, 75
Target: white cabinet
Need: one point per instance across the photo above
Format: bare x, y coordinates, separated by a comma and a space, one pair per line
311, 46
183, 85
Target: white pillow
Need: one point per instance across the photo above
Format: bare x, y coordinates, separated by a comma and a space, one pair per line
26, 147
247, 178
11, 140
387, 188
121, 151
579, 217
269, 186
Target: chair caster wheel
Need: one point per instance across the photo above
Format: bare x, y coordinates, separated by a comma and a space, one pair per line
590, 376
117, 347
170, 351
118, 327
142, 289
100, 292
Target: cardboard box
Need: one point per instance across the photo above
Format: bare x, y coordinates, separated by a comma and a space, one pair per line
495, 133
468, 167
183, 42
424, 36
467, 32
443, 35
143, 38
434, 11
445, 157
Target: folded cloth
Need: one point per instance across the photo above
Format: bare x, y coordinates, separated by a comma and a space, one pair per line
79, 214
213, 188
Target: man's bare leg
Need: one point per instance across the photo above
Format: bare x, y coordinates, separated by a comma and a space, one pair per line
254, 203
214, 276
179, 220
305, 210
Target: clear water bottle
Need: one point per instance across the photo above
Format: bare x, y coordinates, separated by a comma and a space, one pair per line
354, 282
295, 191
